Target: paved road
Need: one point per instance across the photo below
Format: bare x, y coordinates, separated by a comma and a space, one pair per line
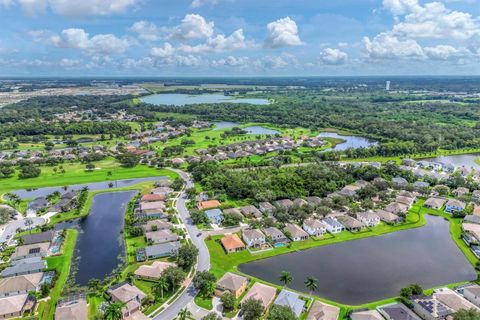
203, 262
9, 230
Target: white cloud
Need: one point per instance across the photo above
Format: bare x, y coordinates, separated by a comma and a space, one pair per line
219, 43
333, 56
276, 62
146, 30
400, 7
69, 63
232, 61
33, 7
444, 52
282, 33
193, 26
199, 3
163, 52
74, 8
387, 46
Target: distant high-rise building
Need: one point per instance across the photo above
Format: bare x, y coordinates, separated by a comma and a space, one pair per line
387, 86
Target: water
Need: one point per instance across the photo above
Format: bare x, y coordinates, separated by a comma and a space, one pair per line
180, 99
350, 141
370, 269
224, 125
43, 192
100, 246
260, 130
459, 160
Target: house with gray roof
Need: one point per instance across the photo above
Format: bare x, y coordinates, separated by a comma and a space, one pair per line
46, 236
399, 182
251, 211
295, 232
469, 218
387, 217
215, 216
314, 201
36, 205
275, 234
24, 266
253, 238
266, 207
284, 203
434, 203
314, 227
397, 311
472, 294
158, 251
292, 300
350, 223
332, 225
454, 205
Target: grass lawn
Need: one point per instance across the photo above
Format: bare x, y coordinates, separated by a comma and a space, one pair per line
62, 265
76, 174
205, 303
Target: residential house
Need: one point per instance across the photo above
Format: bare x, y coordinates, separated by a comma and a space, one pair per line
253, 238
429, 308
154, 206
153, 271
323, 311
397, 311
399, 182
233, 212
167, 249
295, 232
265, 294
471, 219
314, 227
472, 294
129, 295
366, 315
24, 266
12, 286
454, 205
74, 308
396, 208
368, 218
350, 223
153, 197
215, 216
409, 162
65, 203
387, 217
434, 203
461, 191
332, 225
208, 204
292, 300
36, 205
251, 211
31, 250
300, 202
233, 283
162, 190
453, 300
16, 306
405, 200
421, 185
46, 236
155, 225
314, 201
276, 235
476, 196
284, 204
266, 207
161, 236
349, 190
232, 243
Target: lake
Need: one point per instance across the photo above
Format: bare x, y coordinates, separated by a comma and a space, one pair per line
459, 160
100, 246
260, 130
375, 268
350, 141
43, 192
180, 99
224, 125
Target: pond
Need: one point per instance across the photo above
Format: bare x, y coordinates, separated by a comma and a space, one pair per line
458, 160
375, 268
100, 247
43, 192
260, 130
350, 141
224, 125
180, 99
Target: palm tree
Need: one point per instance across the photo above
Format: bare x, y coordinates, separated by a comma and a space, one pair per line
113, 311
161, 285
286, 278
184, 314
311, 283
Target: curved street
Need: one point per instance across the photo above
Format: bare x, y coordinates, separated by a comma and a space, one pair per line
203, 261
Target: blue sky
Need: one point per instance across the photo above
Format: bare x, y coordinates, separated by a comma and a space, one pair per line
238, 37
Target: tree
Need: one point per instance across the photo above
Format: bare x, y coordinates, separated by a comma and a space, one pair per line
128, 159
252, 309
281, 313
286, 278
174, 276
113, 311
177, 184
29, 171
204, 281
212, 316
311, 283
90, 166
228, 301
184, 314
160, 287
186, 256
470, 314
413, 289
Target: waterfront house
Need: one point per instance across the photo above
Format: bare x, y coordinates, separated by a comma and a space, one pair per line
167, 249
454, 205
314, 227
153, 271
429, 308
150, 215
130, 296
366, 315
434, 203
153, 197
323, 311
162, 190
232, 243
26, 283
472, 294
254, 238
266, 207
405, 200
251, 211
36, 205
368, 218
284, 204
291, 300
161, 236
387, 217
275, 235
31, 250
396, 207
397, 311
332, 225
295, 232
350, 223
453, 300
215, 216
72, 308
265, 294
155, 225
16, 306
24, 266
208, 204
153, 206
469, 218
233, 283
46, 236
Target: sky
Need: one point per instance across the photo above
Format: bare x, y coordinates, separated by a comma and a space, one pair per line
239, 37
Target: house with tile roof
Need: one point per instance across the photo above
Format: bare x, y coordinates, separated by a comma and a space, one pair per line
233, 283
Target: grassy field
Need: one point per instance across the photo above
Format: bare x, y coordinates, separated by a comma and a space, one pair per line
76, 174
61, 264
